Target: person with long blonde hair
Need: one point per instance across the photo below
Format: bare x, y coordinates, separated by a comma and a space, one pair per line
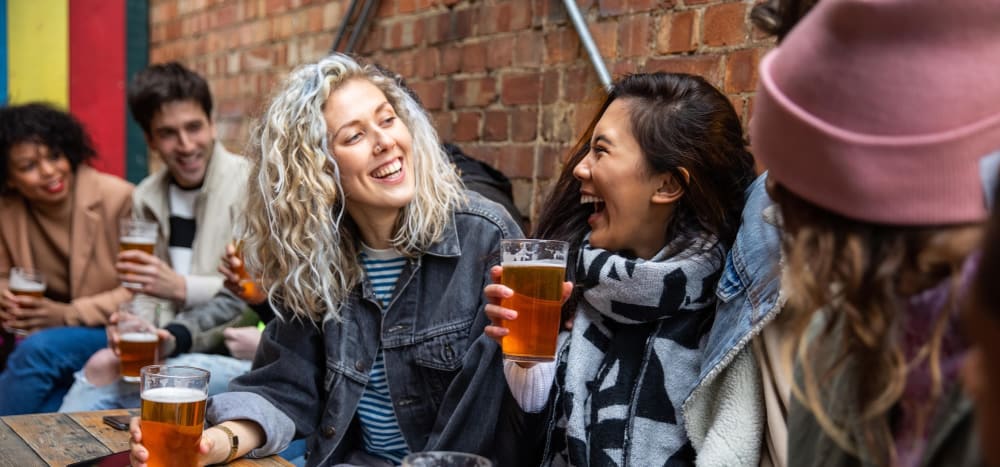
878, 167
374, 258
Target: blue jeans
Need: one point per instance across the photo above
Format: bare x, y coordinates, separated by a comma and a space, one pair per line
40, 370
85, 396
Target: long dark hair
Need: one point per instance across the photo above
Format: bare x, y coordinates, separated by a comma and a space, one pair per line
42, 124
679, 121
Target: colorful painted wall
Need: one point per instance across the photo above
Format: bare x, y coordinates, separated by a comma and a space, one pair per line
78, 56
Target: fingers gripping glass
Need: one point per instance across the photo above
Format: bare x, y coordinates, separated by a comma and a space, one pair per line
25, 282
535, 271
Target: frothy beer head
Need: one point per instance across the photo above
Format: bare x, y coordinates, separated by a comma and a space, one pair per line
19, 285
172, 395
139, 337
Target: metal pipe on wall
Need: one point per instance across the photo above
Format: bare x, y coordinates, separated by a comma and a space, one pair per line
588, 43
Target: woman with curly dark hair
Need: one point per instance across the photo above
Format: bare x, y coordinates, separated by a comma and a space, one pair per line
60, 218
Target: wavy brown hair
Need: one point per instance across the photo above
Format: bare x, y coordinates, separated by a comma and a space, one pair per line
845, 280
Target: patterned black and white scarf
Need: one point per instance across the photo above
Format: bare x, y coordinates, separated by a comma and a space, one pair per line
633, 355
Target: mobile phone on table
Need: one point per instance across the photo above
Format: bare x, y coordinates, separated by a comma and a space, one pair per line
118, 422
118, 459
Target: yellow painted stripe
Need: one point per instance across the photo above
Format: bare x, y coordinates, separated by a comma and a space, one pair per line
38, 47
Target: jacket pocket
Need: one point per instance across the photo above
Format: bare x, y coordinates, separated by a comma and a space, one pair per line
730, 285
439, 359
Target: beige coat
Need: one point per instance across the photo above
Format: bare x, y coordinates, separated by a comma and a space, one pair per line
100, 200
225, 185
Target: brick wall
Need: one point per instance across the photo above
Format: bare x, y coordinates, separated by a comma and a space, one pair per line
507, 80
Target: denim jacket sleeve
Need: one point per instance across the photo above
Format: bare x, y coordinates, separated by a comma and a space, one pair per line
282, 392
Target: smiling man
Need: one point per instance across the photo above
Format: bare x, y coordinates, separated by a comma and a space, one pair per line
190, 197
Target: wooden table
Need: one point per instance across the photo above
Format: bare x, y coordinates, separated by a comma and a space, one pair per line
60, 439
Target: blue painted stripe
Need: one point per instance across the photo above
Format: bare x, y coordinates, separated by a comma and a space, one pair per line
3, 52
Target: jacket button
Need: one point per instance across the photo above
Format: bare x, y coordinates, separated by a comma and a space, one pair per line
329, 431
359, 365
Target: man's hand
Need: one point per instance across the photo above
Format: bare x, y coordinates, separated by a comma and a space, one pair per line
145, 273
231, 266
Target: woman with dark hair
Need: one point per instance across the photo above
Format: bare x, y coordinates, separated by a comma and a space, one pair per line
650, 201
60, 218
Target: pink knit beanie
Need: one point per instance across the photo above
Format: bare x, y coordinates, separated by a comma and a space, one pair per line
880, 110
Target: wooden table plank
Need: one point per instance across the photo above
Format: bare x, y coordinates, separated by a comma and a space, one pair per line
60, 439
15, 452
273, 461
56, 437
93, 422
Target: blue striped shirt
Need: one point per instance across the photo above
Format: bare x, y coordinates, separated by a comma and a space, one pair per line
380, 433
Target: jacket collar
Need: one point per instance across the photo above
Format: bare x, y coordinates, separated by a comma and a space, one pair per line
449, 244
85, 222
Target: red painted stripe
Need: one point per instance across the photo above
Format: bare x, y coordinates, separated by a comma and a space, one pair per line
97, 77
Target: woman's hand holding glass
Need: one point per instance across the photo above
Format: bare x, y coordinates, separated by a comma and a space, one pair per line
213, 448
28, 314
495, 293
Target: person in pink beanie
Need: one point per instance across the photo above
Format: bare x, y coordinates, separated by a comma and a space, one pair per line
880, 124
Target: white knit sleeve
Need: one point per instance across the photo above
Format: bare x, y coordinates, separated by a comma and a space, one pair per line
530, 386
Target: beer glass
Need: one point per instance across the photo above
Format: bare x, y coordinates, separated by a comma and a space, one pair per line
173, 413
137, 234
25, 282
249, 289
138, 344
535, 271
445, 459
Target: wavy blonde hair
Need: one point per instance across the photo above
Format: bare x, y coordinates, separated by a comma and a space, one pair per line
299, 241
845, 280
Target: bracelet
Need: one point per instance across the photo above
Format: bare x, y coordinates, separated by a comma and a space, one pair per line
234, 442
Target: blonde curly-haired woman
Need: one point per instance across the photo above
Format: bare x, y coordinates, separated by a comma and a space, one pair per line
374, 258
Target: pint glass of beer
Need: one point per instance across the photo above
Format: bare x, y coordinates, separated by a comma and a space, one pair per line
25, 282
173, 413
137, 234
535, 271
138, 343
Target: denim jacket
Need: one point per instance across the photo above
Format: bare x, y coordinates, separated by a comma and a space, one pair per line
445, 378
724, 412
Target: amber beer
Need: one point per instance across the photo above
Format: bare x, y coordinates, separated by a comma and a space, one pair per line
535, 271
172, 422
137, 243
28, 283
249, 288
137, 349
27, 289
173, 413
